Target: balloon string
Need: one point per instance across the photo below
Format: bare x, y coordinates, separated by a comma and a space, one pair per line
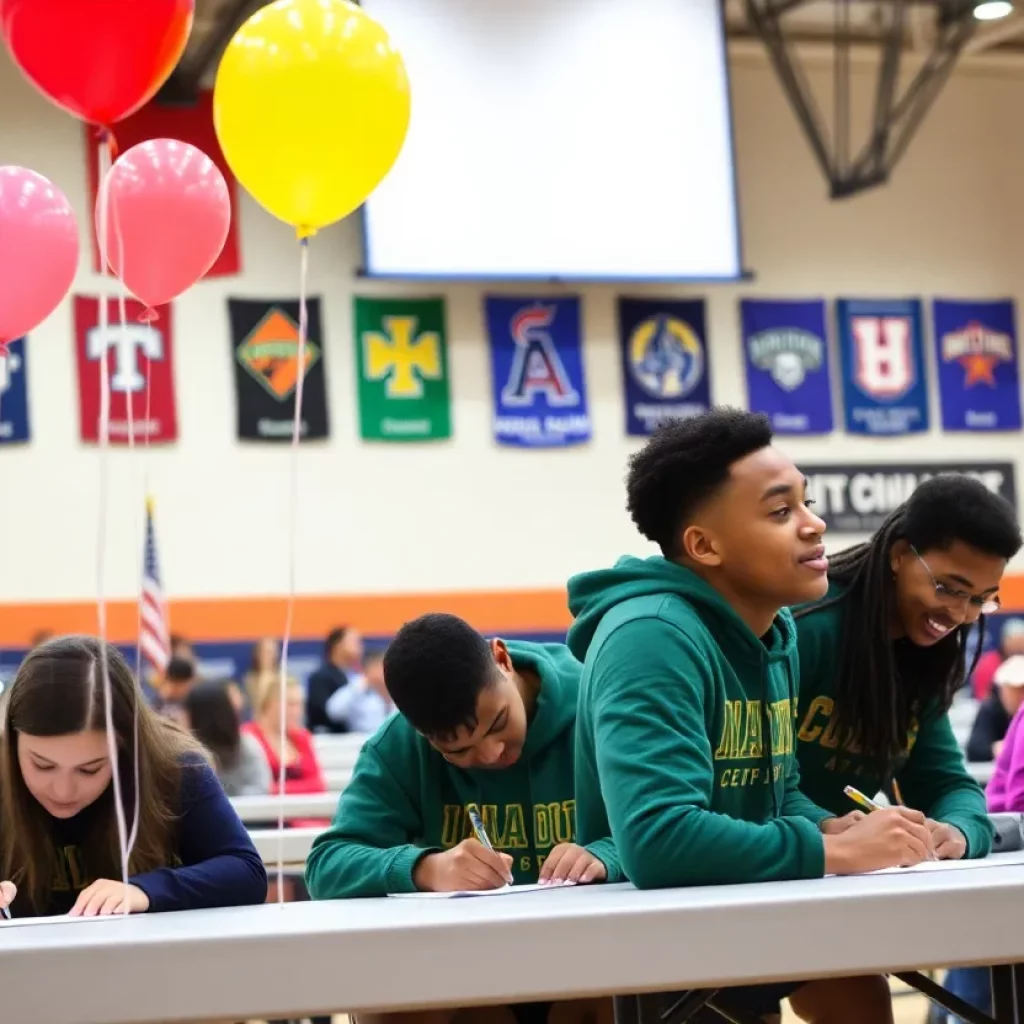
122, 313
103, 326
293, 502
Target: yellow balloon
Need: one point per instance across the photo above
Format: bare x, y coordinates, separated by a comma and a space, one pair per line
311, 107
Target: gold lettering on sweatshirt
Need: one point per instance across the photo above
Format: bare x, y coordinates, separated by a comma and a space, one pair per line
820, 725
507, 825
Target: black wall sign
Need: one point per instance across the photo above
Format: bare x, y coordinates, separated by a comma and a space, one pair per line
857, 498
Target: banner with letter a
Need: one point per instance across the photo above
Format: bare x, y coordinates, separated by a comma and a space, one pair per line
139, 357
402, 368
13, 393
885, 389
664, 361
265, 352
540, 398
785, 349
976, 353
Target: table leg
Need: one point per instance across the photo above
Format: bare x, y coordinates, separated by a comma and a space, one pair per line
1005, 1008
626, 1009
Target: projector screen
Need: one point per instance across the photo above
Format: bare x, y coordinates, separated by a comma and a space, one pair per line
568, 139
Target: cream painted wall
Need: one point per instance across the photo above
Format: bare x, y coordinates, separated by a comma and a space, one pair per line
466, 514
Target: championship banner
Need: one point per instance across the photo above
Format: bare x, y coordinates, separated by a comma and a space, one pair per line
540, 398
976, 353
192, 124
13, 393
885, 390
857, 498
664, 350
402, 367
265, 353
134, 352
785, 348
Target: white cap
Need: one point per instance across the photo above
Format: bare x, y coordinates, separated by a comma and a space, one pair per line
1011, 672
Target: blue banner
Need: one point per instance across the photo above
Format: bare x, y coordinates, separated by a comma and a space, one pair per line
785, 348
885, 389
976, 353
13, 394
540, 398
664, 361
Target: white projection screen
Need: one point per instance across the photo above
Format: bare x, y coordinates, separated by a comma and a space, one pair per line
565, 139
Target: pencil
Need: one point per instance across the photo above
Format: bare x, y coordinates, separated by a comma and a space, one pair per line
859, 798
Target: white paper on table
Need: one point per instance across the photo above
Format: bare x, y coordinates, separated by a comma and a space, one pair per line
60, 919
505, 890
944, 865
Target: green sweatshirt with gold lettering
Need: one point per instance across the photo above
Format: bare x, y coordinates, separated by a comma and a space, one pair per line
684, 749
931, 776
405, 800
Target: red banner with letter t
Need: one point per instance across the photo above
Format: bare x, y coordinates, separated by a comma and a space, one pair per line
137, 355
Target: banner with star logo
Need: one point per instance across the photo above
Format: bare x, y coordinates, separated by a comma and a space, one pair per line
265, 352
976, 353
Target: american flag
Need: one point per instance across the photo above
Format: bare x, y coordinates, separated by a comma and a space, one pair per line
154, 630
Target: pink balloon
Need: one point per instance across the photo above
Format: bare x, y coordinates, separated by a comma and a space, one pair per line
168, 214
38, 250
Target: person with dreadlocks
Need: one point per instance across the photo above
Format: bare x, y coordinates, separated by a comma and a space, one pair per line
884, 652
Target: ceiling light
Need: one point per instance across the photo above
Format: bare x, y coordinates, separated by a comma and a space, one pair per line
992, 10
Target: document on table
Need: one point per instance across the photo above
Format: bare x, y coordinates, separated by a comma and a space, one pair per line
505, 890
944, 865
60, 919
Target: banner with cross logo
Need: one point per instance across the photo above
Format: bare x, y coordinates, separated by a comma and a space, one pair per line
402, 368
13, 393
885, 387
139, 358
265, 353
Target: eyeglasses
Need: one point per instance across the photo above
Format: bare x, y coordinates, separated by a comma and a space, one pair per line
958, 599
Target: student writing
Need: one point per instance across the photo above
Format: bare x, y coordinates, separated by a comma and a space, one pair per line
59, 848
882, 655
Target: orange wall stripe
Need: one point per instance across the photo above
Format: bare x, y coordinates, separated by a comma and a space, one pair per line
244, 618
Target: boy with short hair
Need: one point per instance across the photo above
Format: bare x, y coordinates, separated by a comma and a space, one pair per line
484, 726
685, 739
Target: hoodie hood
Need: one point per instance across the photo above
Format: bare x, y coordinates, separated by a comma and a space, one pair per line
559, 674
593, 594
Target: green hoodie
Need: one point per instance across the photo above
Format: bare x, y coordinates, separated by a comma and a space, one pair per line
676, 695
932, 778
405, 800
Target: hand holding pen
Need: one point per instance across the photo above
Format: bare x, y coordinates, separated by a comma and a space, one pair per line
472, 865
8, 890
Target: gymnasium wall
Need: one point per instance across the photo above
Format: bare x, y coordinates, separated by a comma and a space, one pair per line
386, 531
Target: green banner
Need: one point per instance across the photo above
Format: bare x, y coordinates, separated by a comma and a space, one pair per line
402, 369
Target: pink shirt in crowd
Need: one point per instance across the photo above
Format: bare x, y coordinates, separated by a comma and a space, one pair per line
1005, 791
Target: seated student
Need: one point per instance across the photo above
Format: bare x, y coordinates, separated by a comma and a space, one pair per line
996, 712
483, 726
173, 689
59, 845
363, 705
238, 759
882, 656
685, 747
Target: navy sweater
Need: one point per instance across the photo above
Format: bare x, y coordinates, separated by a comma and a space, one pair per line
216, 862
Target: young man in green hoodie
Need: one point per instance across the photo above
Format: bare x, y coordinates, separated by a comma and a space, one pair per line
484, 729
691, 659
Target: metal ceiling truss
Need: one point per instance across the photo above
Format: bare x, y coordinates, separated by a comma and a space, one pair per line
897, 114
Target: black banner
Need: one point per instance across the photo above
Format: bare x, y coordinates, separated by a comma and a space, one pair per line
265, 351
857, 498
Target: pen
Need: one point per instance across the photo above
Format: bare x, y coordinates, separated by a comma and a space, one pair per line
6, 911
481, 832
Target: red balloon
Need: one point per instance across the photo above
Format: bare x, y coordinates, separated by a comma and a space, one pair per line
168, 214
98, 59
